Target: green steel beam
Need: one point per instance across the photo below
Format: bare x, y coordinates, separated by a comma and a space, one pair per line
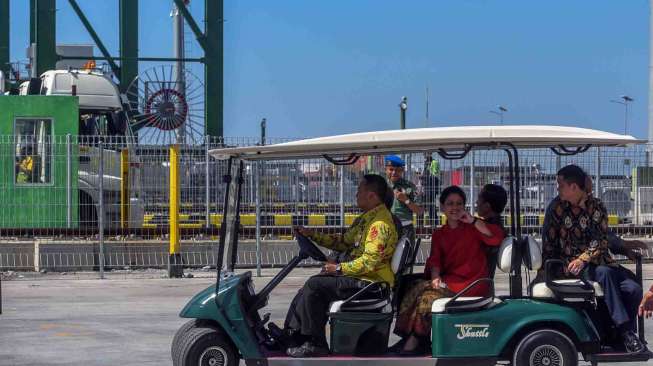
148, 59
4, 38
213, 68
201, 37
93, 34
32, 22
128, 43
46, 38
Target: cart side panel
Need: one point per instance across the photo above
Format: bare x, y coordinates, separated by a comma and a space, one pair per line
485, 333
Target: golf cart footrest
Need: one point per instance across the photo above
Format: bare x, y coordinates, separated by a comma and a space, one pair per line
620, 357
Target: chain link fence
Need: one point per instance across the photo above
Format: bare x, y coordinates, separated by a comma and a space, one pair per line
93, 203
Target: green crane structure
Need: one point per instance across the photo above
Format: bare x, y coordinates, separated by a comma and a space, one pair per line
125, 66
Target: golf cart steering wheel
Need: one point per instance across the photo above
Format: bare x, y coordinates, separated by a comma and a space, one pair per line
307, 248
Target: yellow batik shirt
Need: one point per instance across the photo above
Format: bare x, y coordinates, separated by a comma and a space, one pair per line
370, 241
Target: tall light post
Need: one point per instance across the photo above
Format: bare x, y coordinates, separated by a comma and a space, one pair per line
402, 110
500, 112
402, 124
625, 102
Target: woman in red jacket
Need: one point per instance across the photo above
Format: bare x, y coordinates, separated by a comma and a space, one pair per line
457, 259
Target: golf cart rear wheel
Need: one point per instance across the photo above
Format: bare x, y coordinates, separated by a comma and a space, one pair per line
545, 347
205, 347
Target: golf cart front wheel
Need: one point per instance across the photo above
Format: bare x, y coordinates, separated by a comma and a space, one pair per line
206, 347
545, 347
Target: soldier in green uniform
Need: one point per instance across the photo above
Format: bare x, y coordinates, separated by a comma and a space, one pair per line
405, 203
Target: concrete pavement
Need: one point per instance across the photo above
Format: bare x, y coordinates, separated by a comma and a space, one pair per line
126, 319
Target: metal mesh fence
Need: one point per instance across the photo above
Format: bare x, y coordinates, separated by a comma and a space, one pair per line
74, 203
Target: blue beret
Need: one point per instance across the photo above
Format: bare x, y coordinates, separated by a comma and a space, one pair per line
394, 160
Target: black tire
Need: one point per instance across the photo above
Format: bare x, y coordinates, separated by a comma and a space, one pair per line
176, 340
546, 347
205, 347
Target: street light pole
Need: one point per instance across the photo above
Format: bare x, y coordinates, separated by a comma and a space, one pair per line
500, 112
402, 108
625, 103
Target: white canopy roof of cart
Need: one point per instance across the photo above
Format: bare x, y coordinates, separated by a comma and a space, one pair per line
426, 139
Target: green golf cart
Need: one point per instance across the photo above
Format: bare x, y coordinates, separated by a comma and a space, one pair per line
549, 324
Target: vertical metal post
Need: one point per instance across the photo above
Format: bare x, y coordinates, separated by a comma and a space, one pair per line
207, 180
69, 193
213, 67
342, 196
257, 190
46, 27
100, 218
294, 183
179, 70
403, 106
32, 36
4, 39
402, 112
128, 44
597, 185
322, 185
174, 261
649, 150
251, 183
32, 22
472, 196
124, 189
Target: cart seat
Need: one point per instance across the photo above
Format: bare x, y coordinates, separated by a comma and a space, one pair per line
463, 304
378, 300
570, 290
363, 305
542, 291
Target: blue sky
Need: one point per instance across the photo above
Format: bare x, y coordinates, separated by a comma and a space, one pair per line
325, 67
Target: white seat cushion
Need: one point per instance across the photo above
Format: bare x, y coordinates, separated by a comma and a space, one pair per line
336, 307
440, 304
541, 291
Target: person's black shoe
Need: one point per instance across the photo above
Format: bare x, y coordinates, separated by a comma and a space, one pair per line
422, 349
397, 347
632, 342
308, 349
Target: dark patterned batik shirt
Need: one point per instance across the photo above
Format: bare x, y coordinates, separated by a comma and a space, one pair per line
571, 233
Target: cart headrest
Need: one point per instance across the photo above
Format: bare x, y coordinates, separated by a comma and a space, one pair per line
401, 254
531, 255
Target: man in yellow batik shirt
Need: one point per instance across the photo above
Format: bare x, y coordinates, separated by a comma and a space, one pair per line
369, 245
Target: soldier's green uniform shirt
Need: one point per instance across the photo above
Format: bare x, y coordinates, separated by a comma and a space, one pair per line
370, 241
399, 208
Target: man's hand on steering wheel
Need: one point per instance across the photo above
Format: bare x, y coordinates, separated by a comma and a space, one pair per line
330, 267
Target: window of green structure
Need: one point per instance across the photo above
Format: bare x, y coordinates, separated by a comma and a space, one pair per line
33, 151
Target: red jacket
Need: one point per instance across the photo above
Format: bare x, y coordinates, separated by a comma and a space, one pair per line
460, 256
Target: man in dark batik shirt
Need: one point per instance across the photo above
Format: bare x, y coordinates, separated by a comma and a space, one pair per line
576, 231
